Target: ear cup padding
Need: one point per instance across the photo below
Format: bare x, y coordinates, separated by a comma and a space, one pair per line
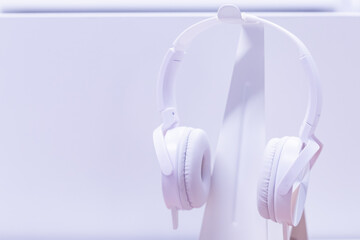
265, 190
284, 211
194, 168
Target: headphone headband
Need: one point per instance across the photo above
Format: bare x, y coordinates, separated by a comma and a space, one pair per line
231, 14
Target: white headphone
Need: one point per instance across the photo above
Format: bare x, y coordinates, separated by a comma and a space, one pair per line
184, 153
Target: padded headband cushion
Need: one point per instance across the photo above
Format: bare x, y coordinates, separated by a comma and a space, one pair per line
265, 195
194, 168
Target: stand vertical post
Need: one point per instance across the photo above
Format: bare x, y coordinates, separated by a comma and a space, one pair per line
300, 231
231, 211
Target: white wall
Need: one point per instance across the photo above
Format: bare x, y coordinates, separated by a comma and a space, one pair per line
78, 109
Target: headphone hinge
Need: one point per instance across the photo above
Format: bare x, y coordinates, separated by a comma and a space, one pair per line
170, 118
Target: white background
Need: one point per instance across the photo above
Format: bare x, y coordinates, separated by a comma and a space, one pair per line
78, 109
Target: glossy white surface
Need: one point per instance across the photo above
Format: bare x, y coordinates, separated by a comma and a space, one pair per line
78, 109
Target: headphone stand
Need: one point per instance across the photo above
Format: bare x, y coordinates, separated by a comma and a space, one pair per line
300, 231
231, 210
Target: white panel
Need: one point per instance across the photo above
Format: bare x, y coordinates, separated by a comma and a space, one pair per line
78, 108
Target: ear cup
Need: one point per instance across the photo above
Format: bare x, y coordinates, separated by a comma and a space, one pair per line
194, 168
280, 155
265, 194
289, 207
